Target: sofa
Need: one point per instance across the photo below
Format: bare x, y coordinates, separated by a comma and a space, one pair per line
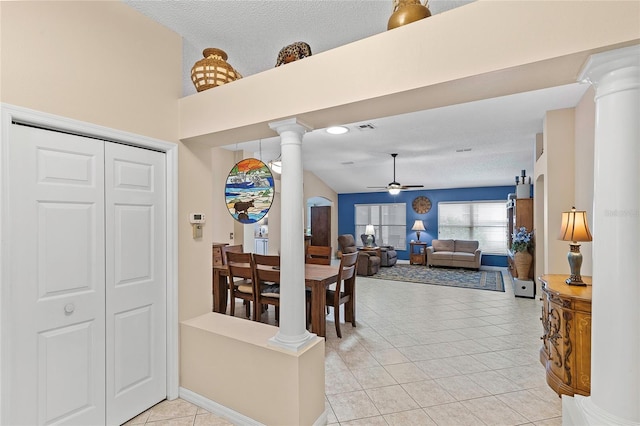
388, 254
368, 262
456, 253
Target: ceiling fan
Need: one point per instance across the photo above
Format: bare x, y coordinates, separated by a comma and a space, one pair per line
395, 187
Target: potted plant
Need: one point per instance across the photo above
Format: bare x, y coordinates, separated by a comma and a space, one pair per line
521, 246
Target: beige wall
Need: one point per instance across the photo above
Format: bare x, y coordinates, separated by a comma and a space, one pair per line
559, 180
506, 47
564, 178
99, 62
258, 380
585, 123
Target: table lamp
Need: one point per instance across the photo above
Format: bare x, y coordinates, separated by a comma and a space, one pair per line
574, 229
418, 226
369, 232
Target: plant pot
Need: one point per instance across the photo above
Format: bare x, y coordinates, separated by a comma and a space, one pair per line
523, 260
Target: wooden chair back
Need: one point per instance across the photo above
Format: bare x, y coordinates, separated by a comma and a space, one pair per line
242, 283
267, 274
267, 268
233, 249
345, 290
318, 255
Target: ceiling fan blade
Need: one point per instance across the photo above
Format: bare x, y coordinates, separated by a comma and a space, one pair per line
411, 186
377, 187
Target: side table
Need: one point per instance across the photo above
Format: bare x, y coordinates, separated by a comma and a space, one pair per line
418, 257
373, 249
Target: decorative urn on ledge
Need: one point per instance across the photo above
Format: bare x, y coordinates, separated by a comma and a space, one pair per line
213, 70
406, 12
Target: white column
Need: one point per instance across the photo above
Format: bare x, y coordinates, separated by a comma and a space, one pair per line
292, 334
615, 332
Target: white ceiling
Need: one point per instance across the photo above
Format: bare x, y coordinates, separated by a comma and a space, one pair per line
497, 136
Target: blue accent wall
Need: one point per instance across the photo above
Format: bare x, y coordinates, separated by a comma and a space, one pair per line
346, 214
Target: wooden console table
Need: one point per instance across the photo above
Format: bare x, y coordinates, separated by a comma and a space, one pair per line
419, 257
566, 347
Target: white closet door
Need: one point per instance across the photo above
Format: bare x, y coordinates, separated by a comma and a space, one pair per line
136, 280
87, 342
57, 278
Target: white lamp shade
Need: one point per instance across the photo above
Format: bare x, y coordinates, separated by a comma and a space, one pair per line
575, 226
418, 226
369, 230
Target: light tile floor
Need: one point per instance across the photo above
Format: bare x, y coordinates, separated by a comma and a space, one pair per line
424, 355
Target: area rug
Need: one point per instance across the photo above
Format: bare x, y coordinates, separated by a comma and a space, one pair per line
467, 278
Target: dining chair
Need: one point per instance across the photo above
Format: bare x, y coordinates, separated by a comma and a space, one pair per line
318, 255
233, 248
344, 293
242, 283
267, 273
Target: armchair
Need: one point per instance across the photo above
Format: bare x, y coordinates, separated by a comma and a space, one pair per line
368, 262
388, 254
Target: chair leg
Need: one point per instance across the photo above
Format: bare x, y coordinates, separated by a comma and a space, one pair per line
257, 311
232, 304
336, 318
247, 307
278, 313
350, 312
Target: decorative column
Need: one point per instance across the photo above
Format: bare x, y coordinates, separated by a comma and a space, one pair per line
292, 334
615, 332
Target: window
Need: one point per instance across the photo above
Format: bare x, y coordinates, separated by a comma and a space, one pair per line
484, 221
389, 221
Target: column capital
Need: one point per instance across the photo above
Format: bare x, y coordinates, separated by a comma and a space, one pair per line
291, 125
600, 64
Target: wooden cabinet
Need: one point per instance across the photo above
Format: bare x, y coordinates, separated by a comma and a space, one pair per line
566, 347
519, 213
417, 253
216, 253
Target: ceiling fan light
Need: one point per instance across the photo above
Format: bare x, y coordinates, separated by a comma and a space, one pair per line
337, 130
394, 191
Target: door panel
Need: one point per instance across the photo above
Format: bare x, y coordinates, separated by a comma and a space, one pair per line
56, 270
64, 384
136, 285
321, 226
87, 279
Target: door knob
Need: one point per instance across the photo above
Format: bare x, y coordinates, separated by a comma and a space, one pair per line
69, 308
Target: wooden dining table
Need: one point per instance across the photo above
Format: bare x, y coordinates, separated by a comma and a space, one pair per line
317, 277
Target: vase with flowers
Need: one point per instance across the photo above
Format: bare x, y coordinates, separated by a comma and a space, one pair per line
522, 245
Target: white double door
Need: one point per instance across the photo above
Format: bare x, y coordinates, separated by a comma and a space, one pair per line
87, 316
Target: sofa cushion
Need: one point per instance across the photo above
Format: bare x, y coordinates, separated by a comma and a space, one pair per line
443, 245
460, 255
466, 246
442, 255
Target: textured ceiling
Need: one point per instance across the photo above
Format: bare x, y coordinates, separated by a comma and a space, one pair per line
496, 136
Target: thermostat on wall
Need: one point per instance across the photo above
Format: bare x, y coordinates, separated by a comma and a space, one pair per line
196, 217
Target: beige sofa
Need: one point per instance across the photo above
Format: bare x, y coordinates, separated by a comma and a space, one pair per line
458, 253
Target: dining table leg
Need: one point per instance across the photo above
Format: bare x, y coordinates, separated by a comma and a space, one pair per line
219, 290
318, 306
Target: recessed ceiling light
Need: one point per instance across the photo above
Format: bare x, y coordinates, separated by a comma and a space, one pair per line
337, 130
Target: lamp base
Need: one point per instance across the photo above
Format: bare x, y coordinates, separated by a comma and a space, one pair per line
369, 241
573, 280
575, 262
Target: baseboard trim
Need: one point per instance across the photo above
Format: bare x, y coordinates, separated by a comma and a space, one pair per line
232, 415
